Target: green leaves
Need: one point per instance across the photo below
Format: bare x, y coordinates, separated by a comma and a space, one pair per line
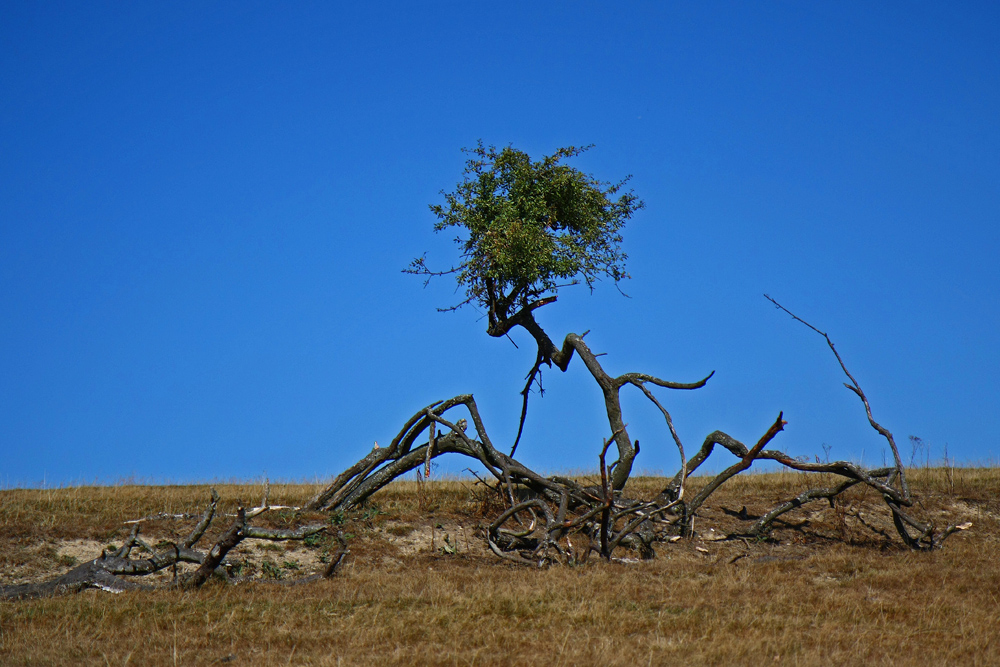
527, 228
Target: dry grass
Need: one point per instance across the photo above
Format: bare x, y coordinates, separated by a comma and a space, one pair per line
828, 589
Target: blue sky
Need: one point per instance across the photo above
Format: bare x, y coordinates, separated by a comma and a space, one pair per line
205, 207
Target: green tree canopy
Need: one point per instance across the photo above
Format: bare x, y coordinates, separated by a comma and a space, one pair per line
527, 228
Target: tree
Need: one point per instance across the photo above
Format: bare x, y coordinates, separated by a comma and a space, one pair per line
527, 228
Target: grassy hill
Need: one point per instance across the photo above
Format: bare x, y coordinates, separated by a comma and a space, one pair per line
833, 585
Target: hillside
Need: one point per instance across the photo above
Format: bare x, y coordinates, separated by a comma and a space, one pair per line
832, 585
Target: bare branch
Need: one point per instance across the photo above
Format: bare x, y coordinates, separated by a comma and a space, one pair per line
524, 393
673, 433
277, 534
745, 462
764, 523
229, 539
206, 520
637, 378
856, 388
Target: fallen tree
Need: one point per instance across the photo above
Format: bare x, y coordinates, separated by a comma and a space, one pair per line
121, 570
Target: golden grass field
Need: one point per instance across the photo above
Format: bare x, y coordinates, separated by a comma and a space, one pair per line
832, 587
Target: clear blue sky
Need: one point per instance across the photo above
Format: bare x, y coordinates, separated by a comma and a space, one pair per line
205, 207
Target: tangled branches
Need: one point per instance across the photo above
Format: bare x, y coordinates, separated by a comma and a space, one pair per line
117, 570
554, 519
543, 520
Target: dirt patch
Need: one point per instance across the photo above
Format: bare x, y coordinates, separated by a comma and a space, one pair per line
447, 538
78, 551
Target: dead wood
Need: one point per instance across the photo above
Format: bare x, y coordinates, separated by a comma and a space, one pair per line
559, 509
117, 571
544, 520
